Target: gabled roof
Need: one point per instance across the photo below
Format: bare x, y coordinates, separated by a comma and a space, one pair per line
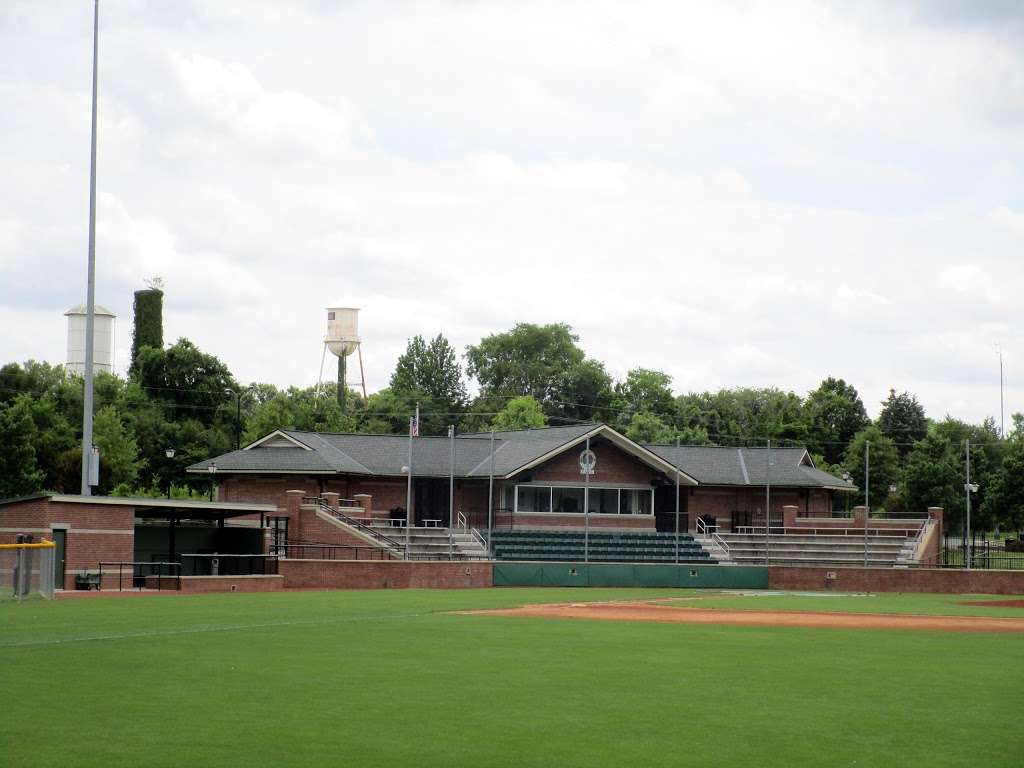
386, 455
327, 453
790, 467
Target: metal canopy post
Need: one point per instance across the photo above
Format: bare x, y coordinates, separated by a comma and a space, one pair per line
677, 500
490, 503
586, 503
172, 529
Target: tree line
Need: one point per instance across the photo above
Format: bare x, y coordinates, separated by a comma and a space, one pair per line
179, 397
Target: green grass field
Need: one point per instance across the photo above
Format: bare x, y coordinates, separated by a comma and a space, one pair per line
390, 678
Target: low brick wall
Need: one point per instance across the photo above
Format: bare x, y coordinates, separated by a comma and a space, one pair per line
383, 574
205, 584
941, 580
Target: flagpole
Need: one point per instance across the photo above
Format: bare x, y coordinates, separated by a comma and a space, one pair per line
90, 298
490, 503
451, 478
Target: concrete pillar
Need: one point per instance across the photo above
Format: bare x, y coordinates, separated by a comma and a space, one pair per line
331, 498
860, 516
789, 513
936, 513
365, 501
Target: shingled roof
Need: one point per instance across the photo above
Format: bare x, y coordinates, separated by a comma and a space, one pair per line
289, 451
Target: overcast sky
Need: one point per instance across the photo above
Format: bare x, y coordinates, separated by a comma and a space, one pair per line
738, 194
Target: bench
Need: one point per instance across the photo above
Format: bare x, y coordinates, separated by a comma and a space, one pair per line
87, 581
431, 523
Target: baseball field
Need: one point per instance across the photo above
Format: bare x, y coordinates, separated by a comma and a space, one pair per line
512, 677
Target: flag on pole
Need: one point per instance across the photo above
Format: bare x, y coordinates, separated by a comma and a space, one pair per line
414, 427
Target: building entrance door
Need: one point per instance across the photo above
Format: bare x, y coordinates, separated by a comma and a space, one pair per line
59, 541
431, 501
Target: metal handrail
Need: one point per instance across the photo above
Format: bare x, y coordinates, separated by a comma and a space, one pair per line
372, 532
159, 574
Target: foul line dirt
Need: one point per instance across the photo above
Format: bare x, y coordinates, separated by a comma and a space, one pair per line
649, 612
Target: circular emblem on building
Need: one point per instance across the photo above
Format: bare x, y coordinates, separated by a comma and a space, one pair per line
588, 461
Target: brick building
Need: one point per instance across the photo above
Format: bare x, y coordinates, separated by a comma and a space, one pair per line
537, 479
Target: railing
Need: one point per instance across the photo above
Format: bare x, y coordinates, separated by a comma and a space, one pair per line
892, 533
220, 564
835, 514
173, 574
357, 524
298, 551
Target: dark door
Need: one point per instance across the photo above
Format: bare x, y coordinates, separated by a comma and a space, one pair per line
431, 501
59, 540
665, 509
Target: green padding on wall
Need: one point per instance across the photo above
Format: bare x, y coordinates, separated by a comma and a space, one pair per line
629, 575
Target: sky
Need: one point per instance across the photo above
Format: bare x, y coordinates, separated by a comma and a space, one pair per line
736, 193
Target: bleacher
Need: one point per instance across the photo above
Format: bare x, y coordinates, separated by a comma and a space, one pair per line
608, 547
796, 549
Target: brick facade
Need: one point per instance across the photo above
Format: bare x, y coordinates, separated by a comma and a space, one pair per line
387, 574
944, 580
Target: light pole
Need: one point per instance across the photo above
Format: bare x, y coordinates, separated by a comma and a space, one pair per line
169, 453
212, 471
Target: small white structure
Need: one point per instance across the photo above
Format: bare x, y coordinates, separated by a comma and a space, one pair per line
103, 340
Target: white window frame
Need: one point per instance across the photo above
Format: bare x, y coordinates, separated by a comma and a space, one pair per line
594, 487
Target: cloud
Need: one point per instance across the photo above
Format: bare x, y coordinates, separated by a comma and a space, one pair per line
735, 194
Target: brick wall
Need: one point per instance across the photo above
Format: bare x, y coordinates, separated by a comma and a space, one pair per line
720, 502
345, 574
942, 580
614, 466
207, 584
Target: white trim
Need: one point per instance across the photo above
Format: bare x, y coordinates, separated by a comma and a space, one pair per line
278, 433
224, 472
551, 499
25, 530
131, 501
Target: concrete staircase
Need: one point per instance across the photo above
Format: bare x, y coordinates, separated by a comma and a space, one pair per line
435, 543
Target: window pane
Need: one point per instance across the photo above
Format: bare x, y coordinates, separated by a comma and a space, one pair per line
568, 499
534, 499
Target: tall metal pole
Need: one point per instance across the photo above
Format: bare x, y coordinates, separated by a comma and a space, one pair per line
586, 503
967, 490
867, 496
767, 502
677, 500
1002, 424
451, 478
490, 502
408, 497
90, 301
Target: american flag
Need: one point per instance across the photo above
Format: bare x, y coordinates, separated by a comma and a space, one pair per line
414, 427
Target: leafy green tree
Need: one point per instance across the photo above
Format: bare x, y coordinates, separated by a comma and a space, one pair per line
430, 375
58, 452
934, 477
646, 391
584, 392
301, 409
884, 464
119, 453
902, 420
527, 360
149, 323
1004, 503
834, 414
744, 415
519, 413
384, 414
193, 384
646, 427
19, 473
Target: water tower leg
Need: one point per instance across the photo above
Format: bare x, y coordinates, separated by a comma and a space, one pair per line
342, 385
362, 373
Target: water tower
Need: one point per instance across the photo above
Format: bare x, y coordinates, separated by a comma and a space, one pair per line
342, 340
103, 340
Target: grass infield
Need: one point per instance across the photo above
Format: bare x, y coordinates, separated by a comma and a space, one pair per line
390, 678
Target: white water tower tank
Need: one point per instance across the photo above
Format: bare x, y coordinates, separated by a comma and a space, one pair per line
103, 340
342, 330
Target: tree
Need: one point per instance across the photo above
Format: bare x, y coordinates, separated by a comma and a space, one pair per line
934, 477
646, 427
19, 473
646, 391
119, 454
584, 392
884, 464
149, 321
429, 374
528, 360
834, 414
193, 384
519, 413
902, 420
1005, 501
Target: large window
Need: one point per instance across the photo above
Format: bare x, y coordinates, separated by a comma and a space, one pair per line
569, 499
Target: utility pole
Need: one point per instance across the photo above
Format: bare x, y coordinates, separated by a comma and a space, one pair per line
867, 496
1002, 423
586, 503
451, 478
90, 301
967, 490
490, 503
677, 500
767, 502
